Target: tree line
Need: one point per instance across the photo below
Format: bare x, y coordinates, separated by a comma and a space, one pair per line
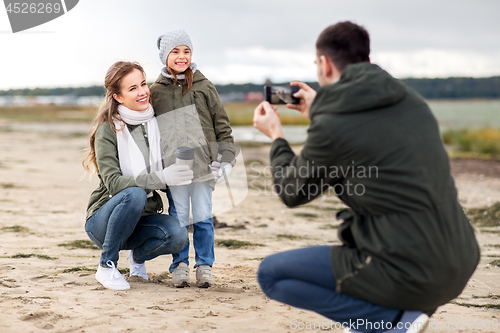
448, 88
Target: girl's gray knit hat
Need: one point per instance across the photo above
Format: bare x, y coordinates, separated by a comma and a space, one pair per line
170, 40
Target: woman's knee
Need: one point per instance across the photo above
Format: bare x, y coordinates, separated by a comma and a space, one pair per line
95, 240
176, 236
136, 196
179, 239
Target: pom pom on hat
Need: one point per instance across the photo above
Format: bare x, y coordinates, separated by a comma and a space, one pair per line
170, 40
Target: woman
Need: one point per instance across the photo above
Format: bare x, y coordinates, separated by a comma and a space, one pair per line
125, 211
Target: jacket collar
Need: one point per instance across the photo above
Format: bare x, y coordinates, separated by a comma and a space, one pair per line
198, 76
362, 87
166, 74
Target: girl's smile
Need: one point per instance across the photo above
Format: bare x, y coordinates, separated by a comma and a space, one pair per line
179, 59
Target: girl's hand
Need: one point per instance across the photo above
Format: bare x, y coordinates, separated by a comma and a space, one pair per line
224, 171
215, 166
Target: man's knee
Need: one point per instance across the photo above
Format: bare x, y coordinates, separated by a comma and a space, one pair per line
265, 275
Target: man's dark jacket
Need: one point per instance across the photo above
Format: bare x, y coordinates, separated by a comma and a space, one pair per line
407, 243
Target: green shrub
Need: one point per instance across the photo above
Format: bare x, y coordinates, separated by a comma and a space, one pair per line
481, 141
234, 243
485, 216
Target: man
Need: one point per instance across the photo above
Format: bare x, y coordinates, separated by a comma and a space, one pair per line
407, 244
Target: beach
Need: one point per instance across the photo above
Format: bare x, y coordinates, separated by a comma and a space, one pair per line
47, 281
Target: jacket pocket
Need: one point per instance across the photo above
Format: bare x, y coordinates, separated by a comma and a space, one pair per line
203, 110
205, 147
346, 237
359, 267
344, 231
159, 202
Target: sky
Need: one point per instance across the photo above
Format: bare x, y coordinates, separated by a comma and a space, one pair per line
251, 41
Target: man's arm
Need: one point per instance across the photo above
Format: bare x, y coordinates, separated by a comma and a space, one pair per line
299, 179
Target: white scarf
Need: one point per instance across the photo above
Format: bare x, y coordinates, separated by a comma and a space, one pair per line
166, 74
131, 159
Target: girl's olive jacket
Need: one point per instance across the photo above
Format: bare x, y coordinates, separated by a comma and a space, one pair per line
196, 120
111, 179
406, 241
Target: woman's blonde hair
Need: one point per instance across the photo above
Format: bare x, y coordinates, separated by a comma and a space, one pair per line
108, 110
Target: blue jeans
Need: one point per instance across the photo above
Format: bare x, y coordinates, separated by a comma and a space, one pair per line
119, 225
303, 278
199, 195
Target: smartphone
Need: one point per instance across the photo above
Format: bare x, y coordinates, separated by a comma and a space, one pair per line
281, 94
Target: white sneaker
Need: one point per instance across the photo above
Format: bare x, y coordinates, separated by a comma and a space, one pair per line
411, 322
180, 276
110, 277
135, 268
204, 277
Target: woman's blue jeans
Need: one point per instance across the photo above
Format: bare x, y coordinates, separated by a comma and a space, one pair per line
196, 197
303, 278
119, 225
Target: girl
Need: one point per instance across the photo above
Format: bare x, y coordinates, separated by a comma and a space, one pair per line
125, 211
190, 114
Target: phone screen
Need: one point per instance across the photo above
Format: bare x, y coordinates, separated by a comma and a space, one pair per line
281, 94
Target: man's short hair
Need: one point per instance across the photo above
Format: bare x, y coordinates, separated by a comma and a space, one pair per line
344, 43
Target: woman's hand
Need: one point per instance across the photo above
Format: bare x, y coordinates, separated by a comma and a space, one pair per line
176, 175
306, 95
267, 120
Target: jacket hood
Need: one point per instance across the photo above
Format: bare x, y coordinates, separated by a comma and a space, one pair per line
197, 76
362, 86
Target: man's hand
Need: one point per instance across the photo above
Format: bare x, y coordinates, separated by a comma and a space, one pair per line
306, 95
266, 120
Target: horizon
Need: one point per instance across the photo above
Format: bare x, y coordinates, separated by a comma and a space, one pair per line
254, 83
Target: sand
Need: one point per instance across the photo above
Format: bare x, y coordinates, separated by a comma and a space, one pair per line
48, 287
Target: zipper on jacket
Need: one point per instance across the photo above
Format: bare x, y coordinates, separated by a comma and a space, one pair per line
145, 135
338, 288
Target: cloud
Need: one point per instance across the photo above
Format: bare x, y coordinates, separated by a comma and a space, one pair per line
438, 63
258, 64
